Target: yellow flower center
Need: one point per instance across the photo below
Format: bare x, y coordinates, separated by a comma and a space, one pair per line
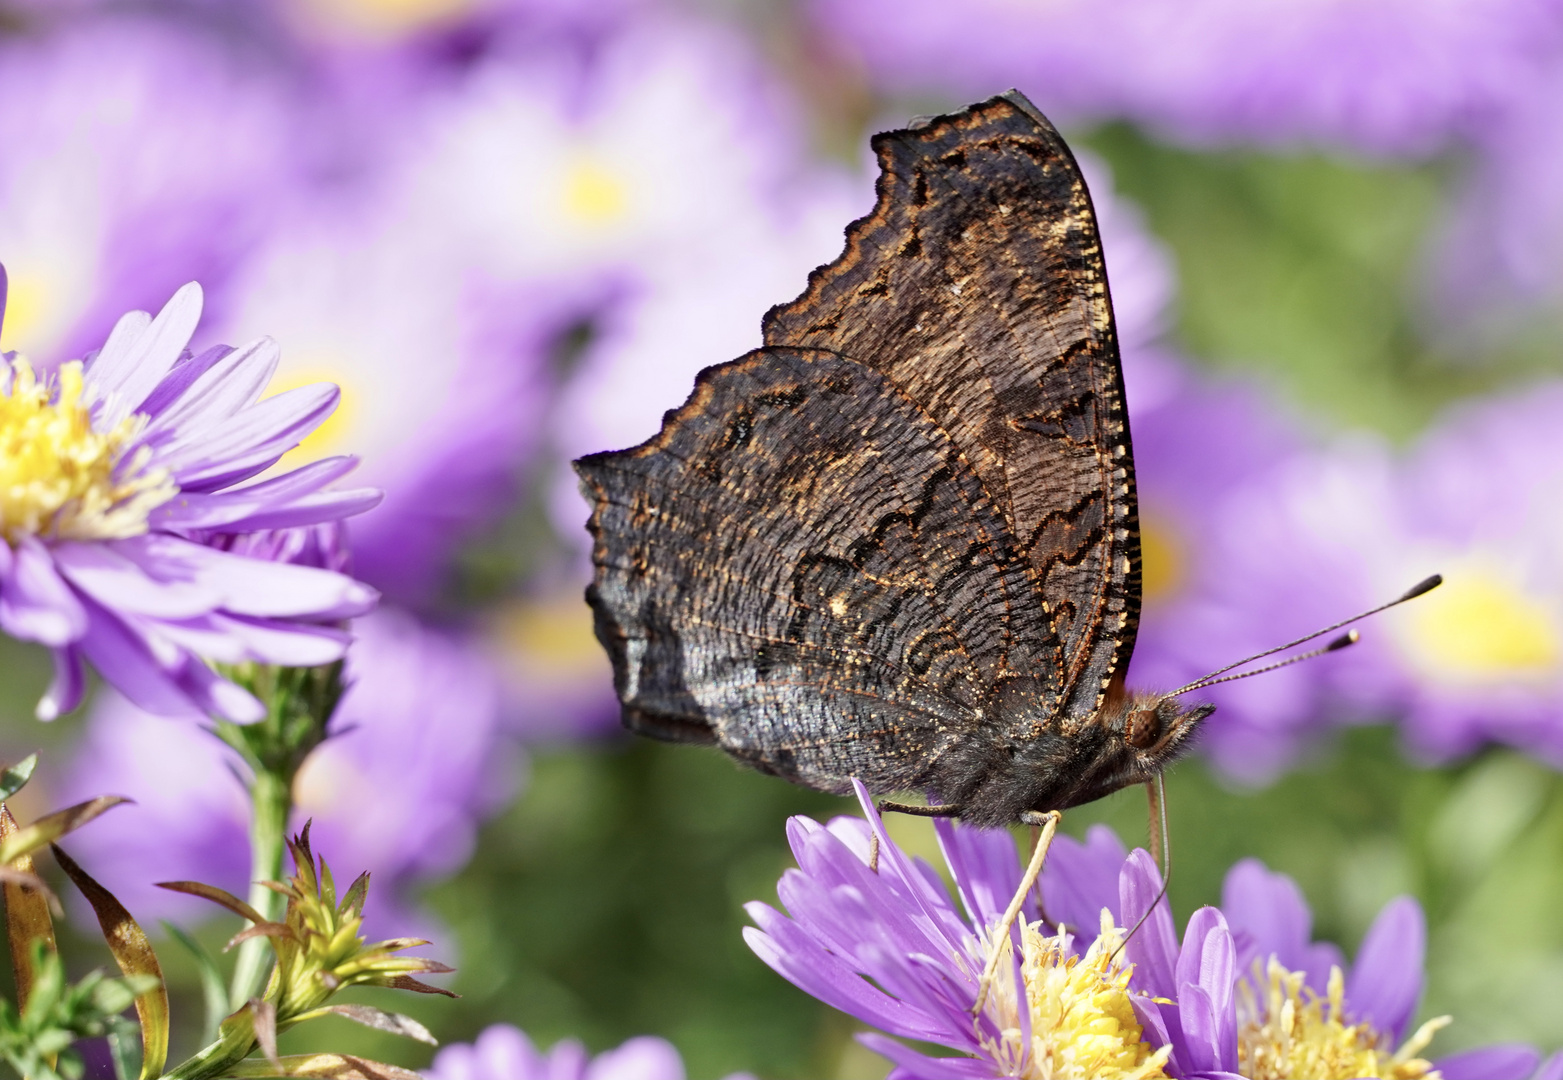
592, 195
1479, 627
1163, 562
1285, 1030
59, 478
1082, 1020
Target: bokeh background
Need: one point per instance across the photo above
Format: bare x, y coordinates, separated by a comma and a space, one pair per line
513, 230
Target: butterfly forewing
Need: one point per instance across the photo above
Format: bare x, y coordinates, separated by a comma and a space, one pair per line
977, 286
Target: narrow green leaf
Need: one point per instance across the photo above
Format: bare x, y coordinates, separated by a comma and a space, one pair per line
133, 952
51, 827
379, 1019
125, 1050
213, 988
321, 1066
14, 777
216, 896
356, 894
26, 917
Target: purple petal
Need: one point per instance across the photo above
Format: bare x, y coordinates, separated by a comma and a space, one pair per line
210, 396
1080, 880
1505, 1061
1208, 964
229, 640
985, 866
130, 365
912, 1065
643, 1058
217, 696
1268, 916
197, 511
65, 691
1386, 980
245, 586
127, 663
35, 604
177, 381
104, 572
250, 441
1551, 1069
501, 1050
1154, 949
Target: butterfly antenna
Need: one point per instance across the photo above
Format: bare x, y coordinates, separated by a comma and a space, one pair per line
1422, 587
1160, 838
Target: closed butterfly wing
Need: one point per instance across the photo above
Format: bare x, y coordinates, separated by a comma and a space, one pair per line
902, 536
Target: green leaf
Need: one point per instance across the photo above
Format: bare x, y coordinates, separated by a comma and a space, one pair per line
133, 952
14, 777
51, 827
213, 988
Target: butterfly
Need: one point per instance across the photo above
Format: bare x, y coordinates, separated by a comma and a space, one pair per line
899, 542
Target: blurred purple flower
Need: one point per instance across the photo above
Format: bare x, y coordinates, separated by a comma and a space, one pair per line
414, 763
112, 464
1386, 76
887, 945
503, 1052
140, 154
441, 376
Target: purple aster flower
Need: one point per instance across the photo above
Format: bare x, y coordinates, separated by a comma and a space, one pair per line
414, 762
886, 943
1387, 76
111, 465
141, 154
503, 1052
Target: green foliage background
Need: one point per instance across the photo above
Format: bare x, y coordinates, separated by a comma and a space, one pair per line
606, 902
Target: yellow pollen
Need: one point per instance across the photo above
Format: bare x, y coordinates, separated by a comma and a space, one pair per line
1286, 1030
60, 479
1478, 627
1163, 564
1082, 1020
593, 195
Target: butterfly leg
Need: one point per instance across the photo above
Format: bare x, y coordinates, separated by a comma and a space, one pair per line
922, 811
1049, 825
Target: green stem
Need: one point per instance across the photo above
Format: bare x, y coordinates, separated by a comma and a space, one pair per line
271, 803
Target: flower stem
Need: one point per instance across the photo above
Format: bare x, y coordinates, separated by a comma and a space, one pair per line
271, 803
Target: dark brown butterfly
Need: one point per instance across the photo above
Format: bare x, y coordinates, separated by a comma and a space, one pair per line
899, 542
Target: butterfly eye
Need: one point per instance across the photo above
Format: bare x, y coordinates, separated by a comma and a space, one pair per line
1143, 729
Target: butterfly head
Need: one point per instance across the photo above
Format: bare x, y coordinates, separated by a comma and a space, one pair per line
1156, 727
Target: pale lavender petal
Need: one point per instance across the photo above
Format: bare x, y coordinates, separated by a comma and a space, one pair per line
1079, 880
106, 572
234, 381
199, 511
250, 586
65, 690
1386, 979
643, 1058
121, 340
986, 869
128, 369
1208, 964
250, 441
1551, 1069
1506, 1061
501, 1052
565, 1061
1154, 949
317, 509
230, 640
179, 380
912, 1065
1268, 916
35, 604
217, 696
126, 661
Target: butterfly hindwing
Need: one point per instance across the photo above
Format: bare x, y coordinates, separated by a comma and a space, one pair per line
801, 568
